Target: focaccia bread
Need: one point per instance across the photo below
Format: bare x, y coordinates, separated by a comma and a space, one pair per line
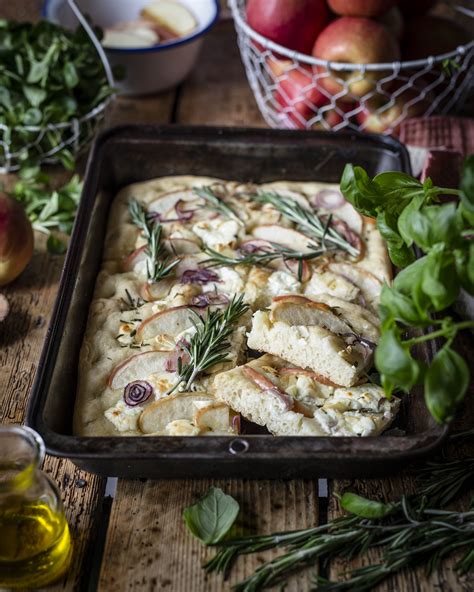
290, 401
219, 239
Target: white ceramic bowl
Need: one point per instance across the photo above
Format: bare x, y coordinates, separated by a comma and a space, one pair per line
150, 69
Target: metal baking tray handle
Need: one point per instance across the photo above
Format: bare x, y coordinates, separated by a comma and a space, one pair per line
238, 446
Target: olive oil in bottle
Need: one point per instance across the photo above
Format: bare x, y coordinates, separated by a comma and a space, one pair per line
35, 542
35, 545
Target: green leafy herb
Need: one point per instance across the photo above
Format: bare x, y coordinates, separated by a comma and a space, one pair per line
409, 214
158, 264
48, 75
262, 256
210, 344
216, 202
49, 210
211, 518
322, 232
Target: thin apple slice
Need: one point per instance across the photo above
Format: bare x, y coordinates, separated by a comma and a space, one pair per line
137, 367
310, 313
159, 414
267, 386
286, 237
164, 206
369, 285
182, 246
214, 417
333, 202
166, 322
137, 256
172, 15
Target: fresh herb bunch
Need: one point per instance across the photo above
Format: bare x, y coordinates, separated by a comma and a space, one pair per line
310, 223
411, 532
210, 344
48, 75
158, 264
49, 210
410, 214
215, 202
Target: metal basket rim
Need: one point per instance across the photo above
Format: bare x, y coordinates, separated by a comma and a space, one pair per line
62, 124
340, 66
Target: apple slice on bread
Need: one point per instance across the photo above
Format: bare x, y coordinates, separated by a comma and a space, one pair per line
137, 367
171, 321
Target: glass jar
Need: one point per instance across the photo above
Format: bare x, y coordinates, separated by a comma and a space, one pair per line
35, 543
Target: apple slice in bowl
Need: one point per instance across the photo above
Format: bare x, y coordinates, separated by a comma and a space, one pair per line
137, 367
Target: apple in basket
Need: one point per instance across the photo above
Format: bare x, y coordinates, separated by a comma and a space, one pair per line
298, 97
359, 41
380, 114
295, 24
368, 8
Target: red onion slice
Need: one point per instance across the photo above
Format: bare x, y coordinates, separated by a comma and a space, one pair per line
199, 276
137, 392
236, 427
294, 266
210, 299
180, 353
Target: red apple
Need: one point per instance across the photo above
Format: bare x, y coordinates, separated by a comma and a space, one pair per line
415, 7
295, 24
394, 22
380, 115
367, 8
333, 117
432, 35
297, 96
357, 41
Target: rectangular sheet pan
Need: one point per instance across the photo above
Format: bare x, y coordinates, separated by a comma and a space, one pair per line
129, 154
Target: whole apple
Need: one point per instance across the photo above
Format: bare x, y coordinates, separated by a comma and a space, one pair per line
415, 7
295, 24
432, 35
16, 239
366, 8
357, 41
381, 114
298, 97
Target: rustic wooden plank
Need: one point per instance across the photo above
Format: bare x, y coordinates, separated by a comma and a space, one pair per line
415, 580
217, 93
149, 548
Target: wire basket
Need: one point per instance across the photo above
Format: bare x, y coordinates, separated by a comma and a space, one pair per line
297, 91
44, 144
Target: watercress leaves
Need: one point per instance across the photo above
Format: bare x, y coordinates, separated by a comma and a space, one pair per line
365, 508
446, 383
212, 516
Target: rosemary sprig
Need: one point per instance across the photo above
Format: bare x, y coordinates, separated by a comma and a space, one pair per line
209, 345
158, 264
132, 303
214, 202
412, 532
308, 220
260, 257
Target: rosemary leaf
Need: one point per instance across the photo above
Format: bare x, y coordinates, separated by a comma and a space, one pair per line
262, 257
214, 202
308, 220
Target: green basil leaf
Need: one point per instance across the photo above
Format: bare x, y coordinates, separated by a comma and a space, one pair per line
365, 508
440, 282
55, 245
394, 361
446, 383
360, 191
400, 254
412, 225
402, 307
212, 516
467, 184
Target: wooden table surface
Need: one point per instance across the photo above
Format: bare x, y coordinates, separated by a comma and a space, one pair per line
136, 540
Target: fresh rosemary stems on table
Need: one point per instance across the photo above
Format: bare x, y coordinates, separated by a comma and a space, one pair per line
158, 264
210, 344
308, 220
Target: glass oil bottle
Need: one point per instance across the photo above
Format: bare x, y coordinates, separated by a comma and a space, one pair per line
35, 543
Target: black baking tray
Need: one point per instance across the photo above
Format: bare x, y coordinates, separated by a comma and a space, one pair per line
129, 154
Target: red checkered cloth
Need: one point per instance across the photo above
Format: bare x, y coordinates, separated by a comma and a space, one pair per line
447, 140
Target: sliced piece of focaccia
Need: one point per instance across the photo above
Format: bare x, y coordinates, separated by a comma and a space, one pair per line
290, 401
332, 337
